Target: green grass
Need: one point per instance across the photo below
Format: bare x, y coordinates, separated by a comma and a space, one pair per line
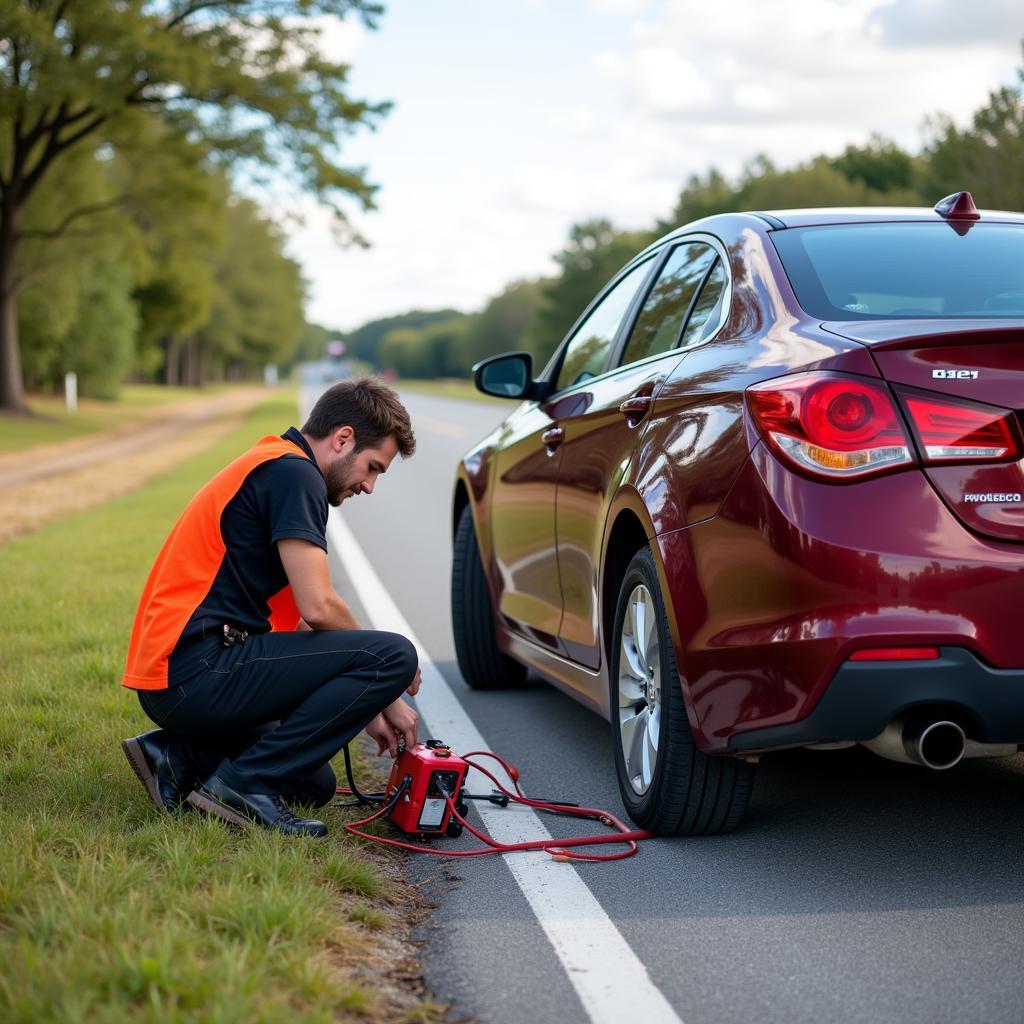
446, 388
109, 910
52, 421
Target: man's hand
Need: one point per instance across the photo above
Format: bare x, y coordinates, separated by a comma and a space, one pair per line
414, 686
403, 720
380, 731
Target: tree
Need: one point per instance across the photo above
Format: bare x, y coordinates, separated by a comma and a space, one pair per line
987, 158
364, 342
434, 350
880, 165
815, 184
256, 314
91, 330
703, 197
178, 208
502, 325
312, 344
593, 254
244, 76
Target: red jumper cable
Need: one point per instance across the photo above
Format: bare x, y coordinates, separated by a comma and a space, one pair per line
416, 778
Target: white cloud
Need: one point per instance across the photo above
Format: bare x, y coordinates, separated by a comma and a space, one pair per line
803, 65
341, 39
948, 23
757, 98
619, 6
609, 63
538, 187
560, 116
668, 82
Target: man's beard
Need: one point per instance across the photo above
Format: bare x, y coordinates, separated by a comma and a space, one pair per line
338, 478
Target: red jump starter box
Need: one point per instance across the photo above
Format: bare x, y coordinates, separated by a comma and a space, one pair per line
433, 770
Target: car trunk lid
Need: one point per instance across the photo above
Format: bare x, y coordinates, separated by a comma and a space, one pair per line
976, 363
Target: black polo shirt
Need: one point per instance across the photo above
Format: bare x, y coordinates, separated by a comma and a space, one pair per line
280, 499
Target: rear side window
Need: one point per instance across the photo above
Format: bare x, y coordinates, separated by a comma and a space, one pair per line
707, 310
588, 350
895, 271
660, 321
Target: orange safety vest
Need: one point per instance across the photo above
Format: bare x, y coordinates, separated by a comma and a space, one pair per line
186, 567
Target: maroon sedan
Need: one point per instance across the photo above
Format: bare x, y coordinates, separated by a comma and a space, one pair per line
768, 493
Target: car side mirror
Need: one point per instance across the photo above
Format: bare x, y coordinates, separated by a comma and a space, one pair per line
506, 376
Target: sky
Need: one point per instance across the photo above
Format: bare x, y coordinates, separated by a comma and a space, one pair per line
514, 119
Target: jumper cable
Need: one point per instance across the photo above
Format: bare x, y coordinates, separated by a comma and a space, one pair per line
558, 849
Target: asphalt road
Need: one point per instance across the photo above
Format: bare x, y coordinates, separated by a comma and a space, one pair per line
855, 889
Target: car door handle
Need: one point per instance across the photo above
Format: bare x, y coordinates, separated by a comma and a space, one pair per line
552, 438
636, 408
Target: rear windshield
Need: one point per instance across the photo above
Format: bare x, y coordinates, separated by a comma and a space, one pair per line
886, 271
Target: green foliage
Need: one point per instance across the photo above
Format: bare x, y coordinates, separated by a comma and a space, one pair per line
256, 313
877, 174
816, 184
245, 76
880, 165
449, 347
986, 159
594, 253
77, 310
703, 197
504, 323
312, 344
431, 351
147, 98
100, 347
364, 342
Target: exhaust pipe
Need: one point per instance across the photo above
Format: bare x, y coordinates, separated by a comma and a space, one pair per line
936, 745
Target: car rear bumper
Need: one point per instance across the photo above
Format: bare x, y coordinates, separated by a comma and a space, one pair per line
773, 595
864, 697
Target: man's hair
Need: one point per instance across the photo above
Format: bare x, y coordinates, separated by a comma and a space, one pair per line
369, 407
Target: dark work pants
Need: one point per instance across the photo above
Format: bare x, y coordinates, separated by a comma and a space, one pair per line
323, 687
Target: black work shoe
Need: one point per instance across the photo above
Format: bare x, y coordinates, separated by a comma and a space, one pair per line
216, 797
166, 775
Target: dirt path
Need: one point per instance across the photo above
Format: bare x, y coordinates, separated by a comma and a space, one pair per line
55, 480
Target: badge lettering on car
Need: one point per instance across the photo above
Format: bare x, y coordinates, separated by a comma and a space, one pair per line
993, 499
954, 374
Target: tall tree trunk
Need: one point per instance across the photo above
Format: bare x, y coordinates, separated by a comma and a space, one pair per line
172, 364
190, 362
12, 389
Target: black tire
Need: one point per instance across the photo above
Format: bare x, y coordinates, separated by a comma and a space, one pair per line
688, 792
482, 664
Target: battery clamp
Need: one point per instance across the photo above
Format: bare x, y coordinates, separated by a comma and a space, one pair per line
426, 798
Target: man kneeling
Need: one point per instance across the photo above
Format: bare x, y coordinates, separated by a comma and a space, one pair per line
255, 669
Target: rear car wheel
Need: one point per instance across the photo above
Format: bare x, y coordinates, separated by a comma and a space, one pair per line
481, 662
668, 786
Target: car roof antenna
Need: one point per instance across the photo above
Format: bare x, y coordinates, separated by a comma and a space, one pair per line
959, 211
958, 206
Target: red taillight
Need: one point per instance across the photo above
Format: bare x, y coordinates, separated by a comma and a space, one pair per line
896, 654
951, 430
833, 425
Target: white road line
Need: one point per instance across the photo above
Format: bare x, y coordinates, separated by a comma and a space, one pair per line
611, 981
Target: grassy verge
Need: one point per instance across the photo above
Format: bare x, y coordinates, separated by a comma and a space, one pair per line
109, 910
52, 421
446, 388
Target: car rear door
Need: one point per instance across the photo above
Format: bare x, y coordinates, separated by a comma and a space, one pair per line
603, 428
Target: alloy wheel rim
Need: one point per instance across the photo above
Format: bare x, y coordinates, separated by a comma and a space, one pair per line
639, 707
